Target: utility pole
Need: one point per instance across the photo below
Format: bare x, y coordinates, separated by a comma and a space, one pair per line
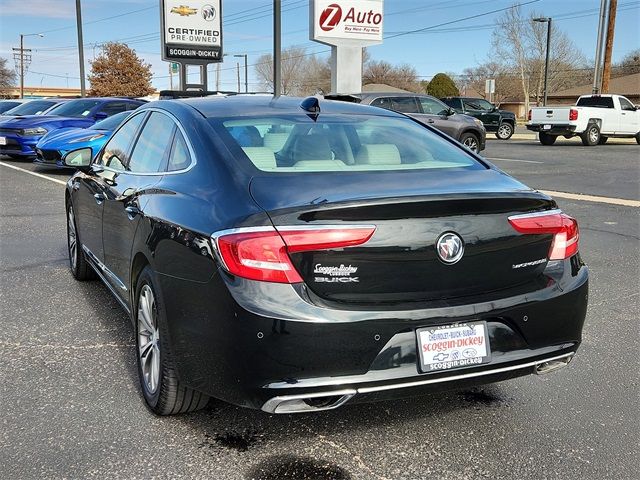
277, 48
22, 57
546, 20
246, 72
238, 70
80, 47
218, 77
596, 72
611, 26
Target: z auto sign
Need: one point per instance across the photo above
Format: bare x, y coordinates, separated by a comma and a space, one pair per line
345, 22
191, 31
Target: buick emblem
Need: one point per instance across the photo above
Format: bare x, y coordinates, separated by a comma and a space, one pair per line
449, 247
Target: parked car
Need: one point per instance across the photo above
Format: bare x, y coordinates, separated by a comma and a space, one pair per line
594, 119
501, 122
19, 135
9, 104
54, 145
428, 110
363, 254
33, 107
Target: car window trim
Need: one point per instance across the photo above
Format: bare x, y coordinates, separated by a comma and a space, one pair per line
129, 147
147, 111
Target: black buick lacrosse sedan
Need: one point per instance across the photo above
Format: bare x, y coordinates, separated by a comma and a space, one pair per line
293, 255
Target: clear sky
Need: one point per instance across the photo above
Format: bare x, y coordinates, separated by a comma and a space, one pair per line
247, 28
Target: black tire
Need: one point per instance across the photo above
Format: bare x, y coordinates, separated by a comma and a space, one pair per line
546, 139
591, 136
638, 138
505, 131
80, 268
603, 140
471, 141
169, 397
18, 157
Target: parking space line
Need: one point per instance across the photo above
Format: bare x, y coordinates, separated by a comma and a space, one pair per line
513, 160
593, 198
35, 174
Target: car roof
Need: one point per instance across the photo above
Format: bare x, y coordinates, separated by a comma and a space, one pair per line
245, 105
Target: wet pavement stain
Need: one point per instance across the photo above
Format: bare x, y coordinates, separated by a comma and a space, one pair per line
480, 397
239, 441
283, 467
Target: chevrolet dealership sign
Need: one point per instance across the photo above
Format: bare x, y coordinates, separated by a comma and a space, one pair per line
191, 31
346, 22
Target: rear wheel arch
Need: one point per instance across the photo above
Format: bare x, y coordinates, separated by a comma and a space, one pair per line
137, 266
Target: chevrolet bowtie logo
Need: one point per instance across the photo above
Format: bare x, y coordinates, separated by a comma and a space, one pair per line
184, 11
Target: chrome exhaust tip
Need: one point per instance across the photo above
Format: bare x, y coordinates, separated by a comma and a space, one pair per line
308, 403
552, 365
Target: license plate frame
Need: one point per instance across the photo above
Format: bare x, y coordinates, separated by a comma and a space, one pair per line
3, 140
464, 335
546, 127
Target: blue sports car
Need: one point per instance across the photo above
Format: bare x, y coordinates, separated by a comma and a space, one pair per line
54, 145
19, 135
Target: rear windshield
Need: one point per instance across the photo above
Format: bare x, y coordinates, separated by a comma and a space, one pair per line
600, 102
298, 143
75, 108
110, 123
34, 107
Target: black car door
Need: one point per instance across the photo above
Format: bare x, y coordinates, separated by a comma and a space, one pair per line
127, 196
90, 189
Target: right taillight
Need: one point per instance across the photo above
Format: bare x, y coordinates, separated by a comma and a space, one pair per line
262, 253
529, 115
562, 226
573, 114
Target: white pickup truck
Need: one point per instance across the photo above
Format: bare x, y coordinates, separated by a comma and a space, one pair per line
594, 119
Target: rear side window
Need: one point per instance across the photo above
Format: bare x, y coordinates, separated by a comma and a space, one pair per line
452, 102
405, 105
179, 158
297, 143
153, 144
598, 102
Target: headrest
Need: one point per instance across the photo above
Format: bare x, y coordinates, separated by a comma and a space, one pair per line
262, 157
378, 154
312, 147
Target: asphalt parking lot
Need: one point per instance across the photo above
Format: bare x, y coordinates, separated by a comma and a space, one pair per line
71, 408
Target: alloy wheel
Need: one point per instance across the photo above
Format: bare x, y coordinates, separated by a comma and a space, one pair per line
593, 134
148, 339
504, 131
72, 238
471, 143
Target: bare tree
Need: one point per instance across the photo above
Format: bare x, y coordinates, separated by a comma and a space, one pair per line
402, 76
293, 64
629, 64
7, 78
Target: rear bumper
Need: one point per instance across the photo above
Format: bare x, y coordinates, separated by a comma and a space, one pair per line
258, 345
556, 129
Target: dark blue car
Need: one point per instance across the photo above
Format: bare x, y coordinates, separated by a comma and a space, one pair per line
54, 145
19, 135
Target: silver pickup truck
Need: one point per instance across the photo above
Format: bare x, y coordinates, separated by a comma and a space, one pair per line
594, 119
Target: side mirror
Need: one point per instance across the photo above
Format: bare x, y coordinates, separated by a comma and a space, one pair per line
80, 158
100, 116
450, 112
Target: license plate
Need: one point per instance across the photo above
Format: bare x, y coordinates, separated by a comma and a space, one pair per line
453, 346
546, 127
3, 140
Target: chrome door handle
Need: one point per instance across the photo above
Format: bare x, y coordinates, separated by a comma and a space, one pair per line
132, 211
99, 198
431, 120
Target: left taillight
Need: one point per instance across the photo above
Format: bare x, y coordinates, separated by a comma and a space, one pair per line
263, 253
563, 227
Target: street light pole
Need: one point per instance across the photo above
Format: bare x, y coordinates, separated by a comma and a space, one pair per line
546, 20
246, 72
277, 48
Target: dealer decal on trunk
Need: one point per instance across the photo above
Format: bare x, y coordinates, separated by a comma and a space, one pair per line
341, 274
